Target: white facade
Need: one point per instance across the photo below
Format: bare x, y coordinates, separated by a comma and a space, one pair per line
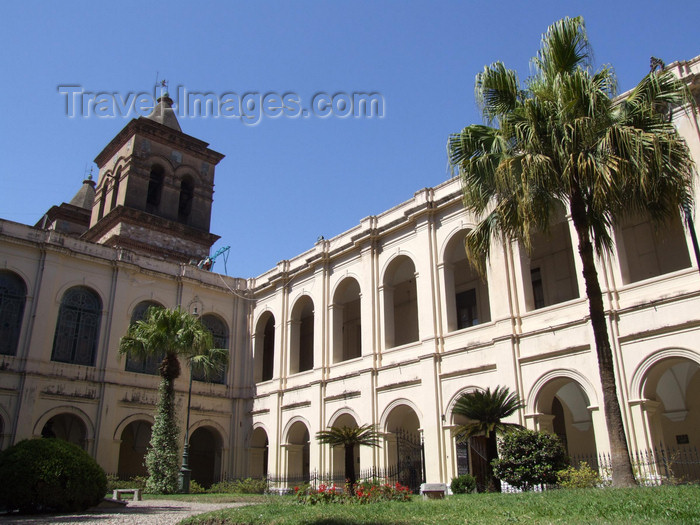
384, 324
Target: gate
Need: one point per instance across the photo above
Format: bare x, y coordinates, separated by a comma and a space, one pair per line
410, 464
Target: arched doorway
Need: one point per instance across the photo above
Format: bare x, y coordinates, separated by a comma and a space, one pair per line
259, 453
298, 453
339, 474
67, 427
404, 448
562, 405
135, 439
264, 353
674, 383
205, 456
671, 388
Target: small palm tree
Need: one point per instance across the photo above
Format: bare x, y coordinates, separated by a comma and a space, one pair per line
349, 437
562, 141
485, 410
173, 334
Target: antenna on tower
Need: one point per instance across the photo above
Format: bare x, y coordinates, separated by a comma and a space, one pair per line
163, 84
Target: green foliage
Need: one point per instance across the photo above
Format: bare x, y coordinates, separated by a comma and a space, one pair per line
49, 475
362, 493
137, 482
240, 486
658, 505
583, 477
464, 484
529, 458
561, 144
162, 458
196, 488
486, 409
173, 333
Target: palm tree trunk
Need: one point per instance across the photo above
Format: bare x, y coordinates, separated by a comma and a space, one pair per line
622, 474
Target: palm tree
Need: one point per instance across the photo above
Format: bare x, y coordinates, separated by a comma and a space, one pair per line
485, 409
349, 438
173, 334
563, 142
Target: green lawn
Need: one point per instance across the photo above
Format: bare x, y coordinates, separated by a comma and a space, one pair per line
620, 506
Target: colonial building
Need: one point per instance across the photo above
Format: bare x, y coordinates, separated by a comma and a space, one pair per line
385, 324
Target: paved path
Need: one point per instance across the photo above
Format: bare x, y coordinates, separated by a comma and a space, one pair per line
147, 512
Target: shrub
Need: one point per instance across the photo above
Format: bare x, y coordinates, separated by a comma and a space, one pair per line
196, 488
49, 475
583, 477
529, 458
137, 482
365, 492
463, 484
240, 486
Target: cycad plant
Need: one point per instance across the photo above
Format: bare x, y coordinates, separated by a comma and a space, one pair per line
349, 438
175, 334
485, 410
562, 141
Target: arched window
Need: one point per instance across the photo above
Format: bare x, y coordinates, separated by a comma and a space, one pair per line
186, 196
13, 294
264, 351
219, 331
155, 188
115, 189
103, 200
151, 364
78, 327
301, 348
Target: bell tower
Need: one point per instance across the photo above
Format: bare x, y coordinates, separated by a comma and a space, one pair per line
155, 188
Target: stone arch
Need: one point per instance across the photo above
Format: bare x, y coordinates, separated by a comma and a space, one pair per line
301, 334
264, 347
151, 364
549, 269
62, 417
13, 298
584, 383
343, 418
298, 447
401, 422
116, 183
206, 452
400, 297
668, 385
130, 419
449, 409
259, 451
346, 320
384, 419
342, 412
219, 329
560, 403
188, 188
466, 292
77, 331
134, 440
640, 373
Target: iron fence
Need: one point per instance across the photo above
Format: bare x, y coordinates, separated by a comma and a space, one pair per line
657, 466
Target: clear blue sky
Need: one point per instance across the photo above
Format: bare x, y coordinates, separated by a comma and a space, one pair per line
286, 181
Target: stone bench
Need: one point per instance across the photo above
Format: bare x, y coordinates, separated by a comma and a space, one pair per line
117, 494
433, 490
